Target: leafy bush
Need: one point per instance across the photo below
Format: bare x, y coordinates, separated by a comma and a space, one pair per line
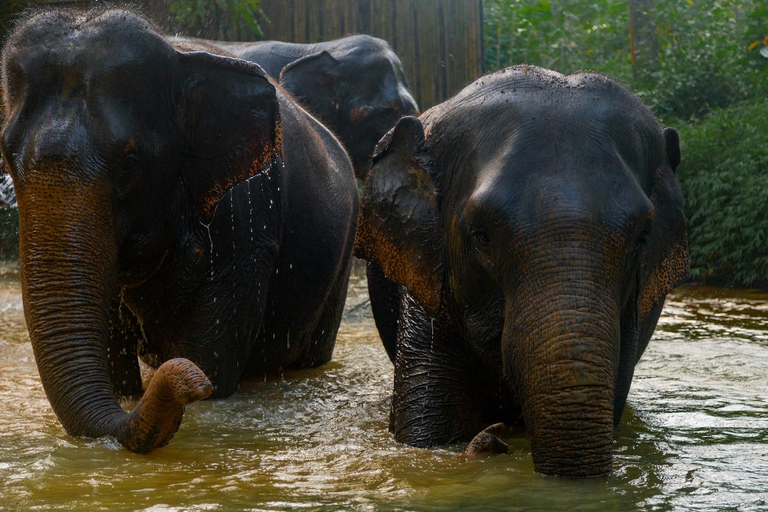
216, 19
566, 35
724, 177
705, 61
192, 15
708, 50
712, 54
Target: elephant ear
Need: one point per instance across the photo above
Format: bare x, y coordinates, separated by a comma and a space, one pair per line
398, 224
232, 125
664, 263
314, 81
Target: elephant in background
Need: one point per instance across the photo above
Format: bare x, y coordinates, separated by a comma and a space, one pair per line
175, 201
354, 85
522, 237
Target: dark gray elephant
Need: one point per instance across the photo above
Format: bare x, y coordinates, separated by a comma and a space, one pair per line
522, 237
354, 85
178, 201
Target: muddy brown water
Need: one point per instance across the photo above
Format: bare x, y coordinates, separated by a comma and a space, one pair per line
694, 435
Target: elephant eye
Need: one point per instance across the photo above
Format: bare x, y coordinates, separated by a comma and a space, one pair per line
642, 239
638, 246
129, 164
128, 175
480, 238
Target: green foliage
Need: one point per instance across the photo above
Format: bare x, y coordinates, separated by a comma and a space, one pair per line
566, 35
712, 55
705, 63
704, 60
724, 177
191, 15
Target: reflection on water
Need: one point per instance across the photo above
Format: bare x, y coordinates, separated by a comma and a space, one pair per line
694, 436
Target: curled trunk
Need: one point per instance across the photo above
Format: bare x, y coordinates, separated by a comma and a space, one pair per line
68, 258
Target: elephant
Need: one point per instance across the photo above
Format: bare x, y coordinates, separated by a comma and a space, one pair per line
172, 205
354, 85
522, 237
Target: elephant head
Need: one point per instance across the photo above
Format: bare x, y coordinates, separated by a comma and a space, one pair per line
540, 216
357, 88
113, 140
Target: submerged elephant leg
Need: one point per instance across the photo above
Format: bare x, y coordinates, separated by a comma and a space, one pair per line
122, 347
385, 304
434, 399
320, 347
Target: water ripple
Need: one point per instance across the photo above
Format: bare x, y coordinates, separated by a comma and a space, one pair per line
694, 435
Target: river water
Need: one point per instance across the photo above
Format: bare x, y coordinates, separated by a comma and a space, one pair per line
694, 434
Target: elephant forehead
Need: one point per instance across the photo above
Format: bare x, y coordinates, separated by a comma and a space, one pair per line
530, 98
545, 139
55, 40
530, 194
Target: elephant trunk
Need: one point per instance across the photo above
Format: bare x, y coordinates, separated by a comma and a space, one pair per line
561, 349
68, 254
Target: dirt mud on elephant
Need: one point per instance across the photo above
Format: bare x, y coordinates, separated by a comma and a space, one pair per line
522, 237
171, 204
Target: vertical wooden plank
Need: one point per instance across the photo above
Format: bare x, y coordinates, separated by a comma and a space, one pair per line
442, 27
314, 20
392, 24
404, 26
439, 41
464, 52
364, 12
302, 22
351, 17
333, 20
281, 20
458, 47
280, 15
426, 79
475, 55
452, 27
480, 40
380, 22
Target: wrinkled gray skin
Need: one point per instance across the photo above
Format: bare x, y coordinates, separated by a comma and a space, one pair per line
354, 85
522, 237
181, 202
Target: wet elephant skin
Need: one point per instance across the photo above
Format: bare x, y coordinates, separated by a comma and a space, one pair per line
354, 85
522, 237
174, 204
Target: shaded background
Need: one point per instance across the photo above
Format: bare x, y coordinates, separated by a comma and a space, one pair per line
440, 42
700, 65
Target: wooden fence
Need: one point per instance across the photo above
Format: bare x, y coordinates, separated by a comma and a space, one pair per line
440, 42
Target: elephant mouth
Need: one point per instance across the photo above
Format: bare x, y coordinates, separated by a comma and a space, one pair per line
137, 276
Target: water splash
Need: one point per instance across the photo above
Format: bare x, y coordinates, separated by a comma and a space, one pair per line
693, 435
234, 253
7, 192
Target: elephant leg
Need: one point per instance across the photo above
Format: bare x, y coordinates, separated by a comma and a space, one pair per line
634, 340
320, 348
122, 358
436, 399
385, 304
